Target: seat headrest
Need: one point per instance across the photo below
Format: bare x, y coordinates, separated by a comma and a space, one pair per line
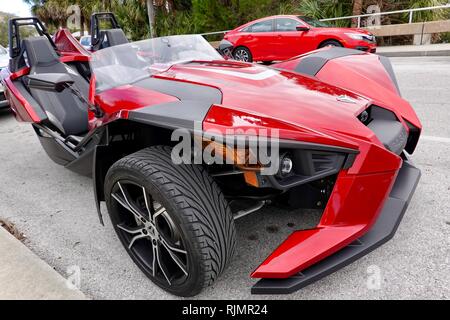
115, 37
39, 51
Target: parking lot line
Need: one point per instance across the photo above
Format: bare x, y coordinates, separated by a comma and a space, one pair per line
435, 139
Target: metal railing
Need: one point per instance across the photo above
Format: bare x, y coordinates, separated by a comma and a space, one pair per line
214, 33
367, 15
410, 11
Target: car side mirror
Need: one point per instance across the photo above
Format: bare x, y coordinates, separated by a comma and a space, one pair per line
54, 82
302, 28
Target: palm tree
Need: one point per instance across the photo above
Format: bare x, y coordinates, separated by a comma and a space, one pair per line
51, 12
357, 10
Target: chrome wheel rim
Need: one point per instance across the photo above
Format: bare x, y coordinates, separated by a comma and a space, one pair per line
241, 55
149, 233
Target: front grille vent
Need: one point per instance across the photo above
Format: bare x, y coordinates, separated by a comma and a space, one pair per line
386, 126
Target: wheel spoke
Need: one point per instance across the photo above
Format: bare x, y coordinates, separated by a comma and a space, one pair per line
138, 237
174, 257
160, 211
151, 209
155, 255
170, 247
123, 203
126, 203
128, 230
161, 265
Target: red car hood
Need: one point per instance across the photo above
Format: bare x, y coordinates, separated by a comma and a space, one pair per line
290, 98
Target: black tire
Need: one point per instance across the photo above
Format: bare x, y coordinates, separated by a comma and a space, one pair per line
333, 43
242, 54
194, 203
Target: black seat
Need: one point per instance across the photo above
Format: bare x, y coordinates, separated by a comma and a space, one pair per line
112, 37
115, 37
64, 110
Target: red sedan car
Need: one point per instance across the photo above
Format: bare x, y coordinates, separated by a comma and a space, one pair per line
284, 37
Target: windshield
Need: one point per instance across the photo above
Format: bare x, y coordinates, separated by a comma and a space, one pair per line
3, 50
128, 63
315, 23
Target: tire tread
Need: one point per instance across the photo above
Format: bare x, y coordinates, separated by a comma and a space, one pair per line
206, 213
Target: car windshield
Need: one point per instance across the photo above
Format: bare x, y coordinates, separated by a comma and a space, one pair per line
315, 23
3, 51
128, 63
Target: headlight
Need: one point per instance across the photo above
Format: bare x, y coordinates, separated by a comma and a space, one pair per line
361, 36
286, 166
296, 163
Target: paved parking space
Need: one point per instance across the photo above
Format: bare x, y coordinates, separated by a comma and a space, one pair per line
56, 211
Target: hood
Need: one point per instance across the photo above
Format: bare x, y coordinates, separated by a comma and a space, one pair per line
287, 97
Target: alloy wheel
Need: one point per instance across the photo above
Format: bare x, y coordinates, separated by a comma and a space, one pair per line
149, 232
242, 55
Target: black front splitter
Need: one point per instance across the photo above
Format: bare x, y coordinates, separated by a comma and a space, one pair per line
383, 230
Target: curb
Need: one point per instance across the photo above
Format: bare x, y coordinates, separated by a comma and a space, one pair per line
25, 276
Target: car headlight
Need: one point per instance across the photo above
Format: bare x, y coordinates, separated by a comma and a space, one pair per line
296, 163
361, 36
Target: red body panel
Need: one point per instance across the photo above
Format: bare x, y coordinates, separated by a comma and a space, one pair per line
21, 108
68, 45
118, 101
282, 45
364, 75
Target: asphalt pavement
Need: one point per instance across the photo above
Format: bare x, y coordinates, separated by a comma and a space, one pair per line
54, 208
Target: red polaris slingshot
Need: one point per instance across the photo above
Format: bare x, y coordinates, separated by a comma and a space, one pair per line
343, 135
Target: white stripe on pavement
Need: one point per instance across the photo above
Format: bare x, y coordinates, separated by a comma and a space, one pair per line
435, 139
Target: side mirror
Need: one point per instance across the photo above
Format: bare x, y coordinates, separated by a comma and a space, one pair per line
54, 82
226, 49
302, 28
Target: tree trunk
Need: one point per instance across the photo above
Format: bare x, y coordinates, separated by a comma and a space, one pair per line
151, 17
357, 10
82, 21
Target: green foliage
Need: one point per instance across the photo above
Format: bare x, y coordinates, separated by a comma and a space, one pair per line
428, 15
4, 33
132, 16
322, 9
25, 32
210, 15
445, 37
250, 10
177, 23
216, 15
